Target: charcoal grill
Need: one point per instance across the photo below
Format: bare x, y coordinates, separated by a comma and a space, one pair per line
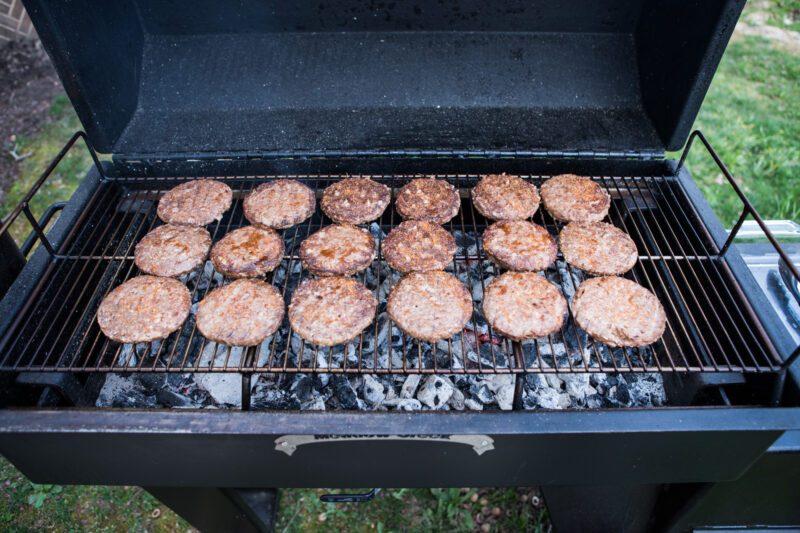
599, 89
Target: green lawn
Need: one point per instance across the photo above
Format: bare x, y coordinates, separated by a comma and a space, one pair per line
752, 117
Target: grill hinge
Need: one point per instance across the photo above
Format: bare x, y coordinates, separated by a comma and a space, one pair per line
143, 159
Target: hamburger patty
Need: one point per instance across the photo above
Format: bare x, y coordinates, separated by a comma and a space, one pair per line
519, 245
430, 305
242, 313
524, 305
428, 199
143, 309
172, 250
338, 250
503, 197
247, 252
618, 312
195, 203
599, 248
330, 311
355, 200
416, 245
279, 204
574, 198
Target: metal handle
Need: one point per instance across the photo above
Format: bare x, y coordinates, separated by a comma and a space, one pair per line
749, 209
344, 498
24, 205
43, 222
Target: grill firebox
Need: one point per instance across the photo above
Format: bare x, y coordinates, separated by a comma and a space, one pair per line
711, 326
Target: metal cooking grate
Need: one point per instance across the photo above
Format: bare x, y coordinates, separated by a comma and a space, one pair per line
711, 326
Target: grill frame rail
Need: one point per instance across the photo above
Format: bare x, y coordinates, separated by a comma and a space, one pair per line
704, 333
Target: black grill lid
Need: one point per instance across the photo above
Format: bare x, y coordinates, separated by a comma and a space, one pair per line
157, 77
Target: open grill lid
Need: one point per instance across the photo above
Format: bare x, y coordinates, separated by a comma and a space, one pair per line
183, 77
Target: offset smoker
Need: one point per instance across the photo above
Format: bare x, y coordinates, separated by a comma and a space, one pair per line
270, 91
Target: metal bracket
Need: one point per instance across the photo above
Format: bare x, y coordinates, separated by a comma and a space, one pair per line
749, 209
344, 498
24, 205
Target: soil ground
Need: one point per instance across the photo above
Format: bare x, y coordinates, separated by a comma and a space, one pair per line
28, 84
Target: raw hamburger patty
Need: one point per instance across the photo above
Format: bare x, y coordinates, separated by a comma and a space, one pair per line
416, 245
599, 248
524, 305
355, 200
618, 312
247, 252
242, 313
279, 204
503, 197
195, 203
143, 309
430, 305
330, 311
338, 250
172, 250
519, 245
428, 199
574, 198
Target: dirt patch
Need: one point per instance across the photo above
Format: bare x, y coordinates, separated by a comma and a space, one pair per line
756, 23
28, 84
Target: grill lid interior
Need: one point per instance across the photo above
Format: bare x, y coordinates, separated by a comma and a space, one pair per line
150, 77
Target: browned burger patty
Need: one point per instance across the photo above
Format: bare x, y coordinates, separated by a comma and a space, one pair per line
247, 252
172, 250
574, 198
242, 313
503, 197
599, 248
519, 245
355, 200
338, 250
195, 203
143, 309
430, 305
330, 311
524, 305
279, 204
428, 199
416, 245
618, 312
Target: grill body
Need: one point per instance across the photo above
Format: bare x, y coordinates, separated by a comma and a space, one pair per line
681, 444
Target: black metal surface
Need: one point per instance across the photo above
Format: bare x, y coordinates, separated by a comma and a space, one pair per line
607, 508
765, 496
241, 449
615, 75
711, 327
12, 263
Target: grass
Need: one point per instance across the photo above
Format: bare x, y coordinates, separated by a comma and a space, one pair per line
752, 117
785, 14
26, 506
506, 509
61, 123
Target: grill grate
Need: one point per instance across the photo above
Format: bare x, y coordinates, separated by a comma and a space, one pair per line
711, 327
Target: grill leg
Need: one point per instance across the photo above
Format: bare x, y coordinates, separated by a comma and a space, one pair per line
222, 510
